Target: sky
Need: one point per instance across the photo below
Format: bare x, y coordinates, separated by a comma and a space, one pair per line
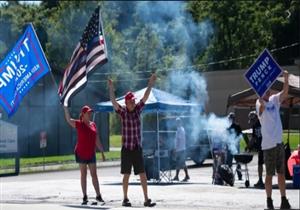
23, 2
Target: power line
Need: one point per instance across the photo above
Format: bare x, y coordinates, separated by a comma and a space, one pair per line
121, 80
189, 67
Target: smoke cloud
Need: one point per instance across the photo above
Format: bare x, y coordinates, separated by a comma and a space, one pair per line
175, 26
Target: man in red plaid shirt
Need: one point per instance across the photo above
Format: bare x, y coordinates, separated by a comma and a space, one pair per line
132, 154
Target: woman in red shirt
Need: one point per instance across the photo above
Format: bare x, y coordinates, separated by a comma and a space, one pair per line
85, 150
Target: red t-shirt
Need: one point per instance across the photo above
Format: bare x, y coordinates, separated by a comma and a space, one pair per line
86, 140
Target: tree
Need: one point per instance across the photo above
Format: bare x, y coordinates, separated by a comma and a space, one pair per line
14, 18
241, 28
49, 4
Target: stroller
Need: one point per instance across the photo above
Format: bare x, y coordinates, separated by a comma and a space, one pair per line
221, 172
218, 161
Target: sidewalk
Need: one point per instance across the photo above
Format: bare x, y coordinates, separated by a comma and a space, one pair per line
61, 190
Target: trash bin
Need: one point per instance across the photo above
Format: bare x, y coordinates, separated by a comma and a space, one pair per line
296, 176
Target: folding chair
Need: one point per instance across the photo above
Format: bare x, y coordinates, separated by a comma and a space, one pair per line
163, 165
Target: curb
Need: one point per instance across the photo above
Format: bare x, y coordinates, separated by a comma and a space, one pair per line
64, 166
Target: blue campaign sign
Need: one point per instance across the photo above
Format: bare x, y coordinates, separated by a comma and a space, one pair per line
263, 73
21, 69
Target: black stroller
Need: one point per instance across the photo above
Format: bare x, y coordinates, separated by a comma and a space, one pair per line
244, 158
221, 172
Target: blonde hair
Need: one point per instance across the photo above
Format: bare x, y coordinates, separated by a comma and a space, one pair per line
80, 116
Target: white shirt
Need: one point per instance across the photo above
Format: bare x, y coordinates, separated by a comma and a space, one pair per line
180, 139
271, 127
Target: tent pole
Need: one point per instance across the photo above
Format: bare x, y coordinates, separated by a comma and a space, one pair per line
227, 105
142, 129
158, 146
289, 115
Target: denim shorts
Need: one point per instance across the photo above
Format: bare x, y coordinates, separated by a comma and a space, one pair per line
82, 161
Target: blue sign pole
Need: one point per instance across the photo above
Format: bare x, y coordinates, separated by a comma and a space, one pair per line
263, 73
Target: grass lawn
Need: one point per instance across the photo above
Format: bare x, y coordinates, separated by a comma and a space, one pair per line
115, 141
294, 140
27, 162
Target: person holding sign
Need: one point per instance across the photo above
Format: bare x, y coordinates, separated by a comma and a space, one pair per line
268, 108
85, 150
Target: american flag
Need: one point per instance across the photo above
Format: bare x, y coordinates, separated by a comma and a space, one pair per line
89, 52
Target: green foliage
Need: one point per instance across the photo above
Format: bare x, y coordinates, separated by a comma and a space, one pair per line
294, 140
164, 37
136, 45
13, 21
115, 141
114, 124
242, 28
65, 27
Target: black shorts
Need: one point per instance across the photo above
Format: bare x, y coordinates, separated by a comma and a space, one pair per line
82, 161
131, 158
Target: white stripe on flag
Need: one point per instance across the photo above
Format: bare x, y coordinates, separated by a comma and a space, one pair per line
78, 85
75, 76
94, 51
95, 62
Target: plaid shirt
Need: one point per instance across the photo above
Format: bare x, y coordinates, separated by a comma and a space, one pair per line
131, 126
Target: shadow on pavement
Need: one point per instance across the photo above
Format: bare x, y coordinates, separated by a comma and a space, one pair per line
160, 183
86, 206
288, 186
204, 165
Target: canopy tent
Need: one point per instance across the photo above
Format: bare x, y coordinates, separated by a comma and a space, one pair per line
247, 98
158, 101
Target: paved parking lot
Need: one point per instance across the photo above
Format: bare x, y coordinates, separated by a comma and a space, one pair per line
60, 190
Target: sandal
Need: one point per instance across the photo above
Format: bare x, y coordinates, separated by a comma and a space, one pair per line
126, 203
149, 203
84, 200
99, 198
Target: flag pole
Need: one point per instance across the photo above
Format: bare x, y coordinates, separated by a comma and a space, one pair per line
101, 26
39, 44
52, 77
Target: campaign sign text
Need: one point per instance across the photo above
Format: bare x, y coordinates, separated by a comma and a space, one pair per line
20, 70
263, 73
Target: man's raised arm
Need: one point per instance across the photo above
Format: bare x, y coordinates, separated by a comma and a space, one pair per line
149, 87
285, 91
112, 95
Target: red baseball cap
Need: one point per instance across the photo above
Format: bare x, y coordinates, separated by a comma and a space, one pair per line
129, 96
86, 109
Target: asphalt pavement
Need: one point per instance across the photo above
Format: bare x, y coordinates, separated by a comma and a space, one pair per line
60, 190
